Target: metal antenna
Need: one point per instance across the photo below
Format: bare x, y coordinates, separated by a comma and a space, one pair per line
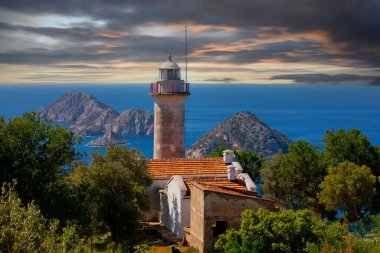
186, 52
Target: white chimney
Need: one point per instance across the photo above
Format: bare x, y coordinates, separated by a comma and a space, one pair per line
238, 169
231, 173
228, 156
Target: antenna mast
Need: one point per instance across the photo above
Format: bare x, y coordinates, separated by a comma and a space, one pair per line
186, 52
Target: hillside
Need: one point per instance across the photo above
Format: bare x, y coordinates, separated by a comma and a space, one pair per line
242, 131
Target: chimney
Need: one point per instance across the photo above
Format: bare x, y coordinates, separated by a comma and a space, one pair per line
228, 156
231, 173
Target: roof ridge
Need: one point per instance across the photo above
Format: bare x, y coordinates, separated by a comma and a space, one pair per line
188, 159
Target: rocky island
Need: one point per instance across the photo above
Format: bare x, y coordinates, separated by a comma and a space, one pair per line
89, 117
242, 131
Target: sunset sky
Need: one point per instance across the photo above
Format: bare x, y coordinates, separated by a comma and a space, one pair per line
252, 41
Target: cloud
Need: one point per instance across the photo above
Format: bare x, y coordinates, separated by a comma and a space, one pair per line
221, 80
323, 78
238, 34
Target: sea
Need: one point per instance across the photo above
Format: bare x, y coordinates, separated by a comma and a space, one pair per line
300, 111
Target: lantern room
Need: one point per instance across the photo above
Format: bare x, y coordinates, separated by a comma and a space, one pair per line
169, 70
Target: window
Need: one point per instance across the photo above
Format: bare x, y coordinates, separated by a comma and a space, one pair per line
219, 228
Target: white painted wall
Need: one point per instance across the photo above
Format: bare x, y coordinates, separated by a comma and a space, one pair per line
176, 211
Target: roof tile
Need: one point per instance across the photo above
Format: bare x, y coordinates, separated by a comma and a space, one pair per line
166, 168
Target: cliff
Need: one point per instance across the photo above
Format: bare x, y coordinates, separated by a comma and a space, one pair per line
91, 117
242, 131
133, 122
108, 139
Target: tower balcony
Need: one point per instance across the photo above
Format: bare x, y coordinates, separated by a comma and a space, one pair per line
170, 88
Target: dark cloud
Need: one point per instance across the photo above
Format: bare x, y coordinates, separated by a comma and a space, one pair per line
221, 80
351, 25
323, 78
345, 20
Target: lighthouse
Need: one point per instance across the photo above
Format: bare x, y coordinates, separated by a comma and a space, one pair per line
169, 94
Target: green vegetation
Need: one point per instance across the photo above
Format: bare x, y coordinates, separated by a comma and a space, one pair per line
293, 179
106, 197
24, 229
286, 231
114, 186
301, 178
350, 188
35, 152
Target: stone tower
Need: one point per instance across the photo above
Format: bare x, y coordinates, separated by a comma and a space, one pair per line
169, 94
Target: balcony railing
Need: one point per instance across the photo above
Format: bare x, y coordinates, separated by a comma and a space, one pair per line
170, 88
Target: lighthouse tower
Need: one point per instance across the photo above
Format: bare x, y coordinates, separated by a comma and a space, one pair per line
169, 94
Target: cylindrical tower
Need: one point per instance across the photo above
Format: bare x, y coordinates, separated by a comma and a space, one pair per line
169, 94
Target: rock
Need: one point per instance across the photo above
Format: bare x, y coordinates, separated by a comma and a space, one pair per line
88, 114
133, 122
91, 117
109, 139
242, 131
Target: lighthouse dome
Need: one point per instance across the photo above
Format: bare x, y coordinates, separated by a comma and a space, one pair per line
169, 64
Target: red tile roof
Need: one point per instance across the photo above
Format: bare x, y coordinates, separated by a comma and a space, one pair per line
166, 168
221, 182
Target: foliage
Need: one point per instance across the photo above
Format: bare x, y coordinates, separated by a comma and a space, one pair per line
24, 229
348, 187
249, 161
36, 152
115, 186
286, 231
217, 152
293, 179
354, 146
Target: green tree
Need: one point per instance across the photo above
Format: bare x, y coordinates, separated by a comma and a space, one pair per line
354, 146
116, 192
350, 188
24, 229
36, 152
293, 179
286, 231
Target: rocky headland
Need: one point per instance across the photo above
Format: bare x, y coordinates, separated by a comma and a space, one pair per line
242, 131
89, 117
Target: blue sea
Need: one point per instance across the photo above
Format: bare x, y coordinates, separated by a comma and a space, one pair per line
298, 111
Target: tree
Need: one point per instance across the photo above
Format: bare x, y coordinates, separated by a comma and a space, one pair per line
286, 231
116, 188
36, 152
350, 188
24, 229
249, 161
354, 146
293, 179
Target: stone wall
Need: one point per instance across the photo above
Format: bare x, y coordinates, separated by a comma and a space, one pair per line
211, 211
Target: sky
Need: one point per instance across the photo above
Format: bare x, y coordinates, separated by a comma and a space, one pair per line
239, 41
